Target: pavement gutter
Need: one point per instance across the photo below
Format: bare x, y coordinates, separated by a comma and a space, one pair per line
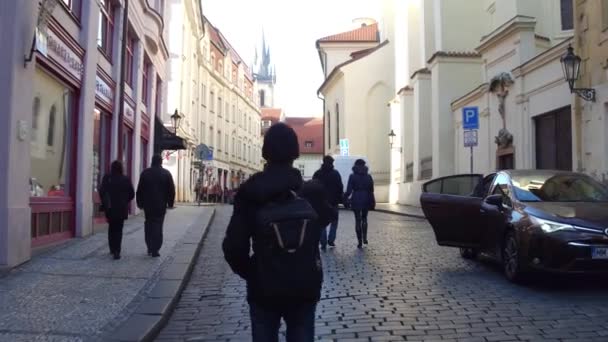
153, 313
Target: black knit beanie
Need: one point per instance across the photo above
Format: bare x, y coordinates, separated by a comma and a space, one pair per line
280, 144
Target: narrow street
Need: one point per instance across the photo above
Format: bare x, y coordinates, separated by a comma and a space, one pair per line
402, 287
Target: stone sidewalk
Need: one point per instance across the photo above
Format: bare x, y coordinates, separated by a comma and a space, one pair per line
77, 292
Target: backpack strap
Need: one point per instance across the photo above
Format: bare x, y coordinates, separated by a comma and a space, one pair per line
280, 239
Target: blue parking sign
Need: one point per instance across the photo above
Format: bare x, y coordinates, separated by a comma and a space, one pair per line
470, 118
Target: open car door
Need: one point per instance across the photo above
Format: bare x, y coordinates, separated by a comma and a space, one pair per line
452, 205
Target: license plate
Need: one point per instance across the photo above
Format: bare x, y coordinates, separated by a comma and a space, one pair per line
599, 253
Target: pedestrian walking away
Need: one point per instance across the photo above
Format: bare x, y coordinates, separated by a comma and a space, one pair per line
332, 183
360, 198
116, 192
281, 217
155, 193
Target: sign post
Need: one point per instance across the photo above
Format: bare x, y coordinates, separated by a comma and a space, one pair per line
470, 125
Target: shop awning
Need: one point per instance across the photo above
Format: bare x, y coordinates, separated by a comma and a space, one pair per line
164, 139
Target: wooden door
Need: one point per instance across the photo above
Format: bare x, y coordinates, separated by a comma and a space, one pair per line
554, 140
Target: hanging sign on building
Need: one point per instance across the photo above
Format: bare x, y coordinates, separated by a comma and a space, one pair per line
103, 90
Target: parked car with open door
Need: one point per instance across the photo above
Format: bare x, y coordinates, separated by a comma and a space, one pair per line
525, 219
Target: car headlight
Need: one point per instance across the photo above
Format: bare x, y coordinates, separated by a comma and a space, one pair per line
551, 226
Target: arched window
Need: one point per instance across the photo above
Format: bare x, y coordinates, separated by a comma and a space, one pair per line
35, 118
50, 138
328, 117
337, 124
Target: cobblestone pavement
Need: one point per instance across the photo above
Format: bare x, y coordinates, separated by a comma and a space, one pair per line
402, 287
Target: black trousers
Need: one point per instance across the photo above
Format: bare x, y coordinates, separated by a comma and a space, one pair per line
361, 224
115, 235
153, 228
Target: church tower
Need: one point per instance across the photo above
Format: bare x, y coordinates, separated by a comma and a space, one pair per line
265, 76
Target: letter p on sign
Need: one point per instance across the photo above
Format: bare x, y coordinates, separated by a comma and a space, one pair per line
470, 118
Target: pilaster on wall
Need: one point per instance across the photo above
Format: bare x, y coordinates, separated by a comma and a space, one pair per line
84, 181
139, 107
19, 20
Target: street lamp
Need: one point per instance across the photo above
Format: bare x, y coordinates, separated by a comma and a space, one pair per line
391, 140
571, 65
176, 119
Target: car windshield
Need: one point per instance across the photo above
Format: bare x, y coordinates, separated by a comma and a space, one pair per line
547, 187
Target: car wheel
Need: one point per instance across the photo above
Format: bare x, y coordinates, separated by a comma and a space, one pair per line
468, 253
511, 258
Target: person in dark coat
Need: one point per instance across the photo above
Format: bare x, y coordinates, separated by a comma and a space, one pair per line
278, 178
360, 198
116, 192
155, 193
332, 182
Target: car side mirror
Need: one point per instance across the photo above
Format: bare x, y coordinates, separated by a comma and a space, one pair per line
495, 200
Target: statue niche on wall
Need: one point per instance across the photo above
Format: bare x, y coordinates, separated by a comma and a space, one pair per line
499, 85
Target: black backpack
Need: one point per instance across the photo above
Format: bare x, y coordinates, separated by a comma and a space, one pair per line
287, 262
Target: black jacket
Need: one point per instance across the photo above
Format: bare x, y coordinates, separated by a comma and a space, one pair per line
257, 191
155, 191
360, 189
332, 181
119, 190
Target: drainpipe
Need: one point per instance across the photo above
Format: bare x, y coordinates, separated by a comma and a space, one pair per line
121, 82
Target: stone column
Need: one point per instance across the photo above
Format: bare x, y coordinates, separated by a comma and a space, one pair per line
84, 166
18, 20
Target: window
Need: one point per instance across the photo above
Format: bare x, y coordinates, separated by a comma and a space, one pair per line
204, 95
567, 14
227, 112
328, 117
460, 185
262, 98
308, 144
211, 136
159, 87
74, 6
202, 133
129, 63
233, 113
105, 34
35, 118
337, 124
227, 144
50, 173
212, 104
50, 137
219, 141
301, 168
144, 83
233, 144
502, 187
219, 106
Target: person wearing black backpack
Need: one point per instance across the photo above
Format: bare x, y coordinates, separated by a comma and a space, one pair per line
281, 217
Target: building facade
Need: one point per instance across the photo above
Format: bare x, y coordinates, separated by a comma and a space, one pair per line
310, 137
357, 90
231, 120
590, 119
506, 63
61, 128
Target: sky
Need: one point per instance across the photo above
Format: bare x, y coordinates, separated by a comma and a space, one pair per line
291, 29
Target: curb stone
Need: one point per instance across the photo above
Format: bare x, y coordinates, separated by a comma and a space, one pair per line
155, 310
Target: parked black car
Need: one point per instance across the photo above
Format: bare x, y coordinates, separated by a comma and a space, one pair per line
525, 219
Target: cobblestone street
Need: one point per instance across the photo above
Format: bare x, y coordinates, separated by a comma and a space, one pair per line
402, 287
